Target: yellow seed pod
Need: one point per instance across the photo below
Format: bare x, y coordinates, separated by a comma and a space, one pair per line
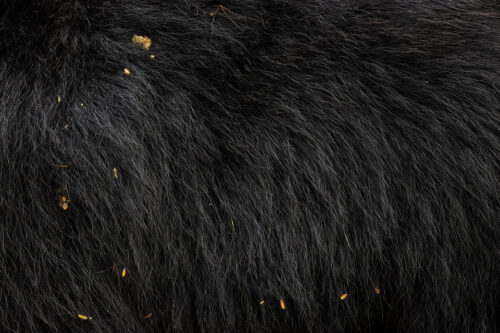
377, 291
115, 172
126, 71
282, 304
343, 297
261, 302
124, 272
84, 317
58, 99
149, 315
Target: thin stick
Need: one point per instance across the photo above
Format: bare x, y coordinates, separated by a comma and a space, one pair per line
229, 17
62, 165
107, 269
213, 18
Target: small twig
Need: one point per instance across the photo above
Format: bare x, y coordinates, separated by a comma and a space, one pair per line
226, 10
119, 275
229, 17
213, 17
62, 165
107, 269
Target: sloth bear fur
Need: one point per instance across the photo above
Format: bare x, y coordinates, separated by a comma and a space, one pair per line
251, 165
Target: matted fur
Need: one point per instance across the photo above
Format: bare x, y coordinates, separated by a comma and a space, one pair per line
272, 150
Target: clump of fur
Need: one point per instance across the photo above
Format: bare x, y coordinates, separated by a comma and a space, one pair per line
265, 165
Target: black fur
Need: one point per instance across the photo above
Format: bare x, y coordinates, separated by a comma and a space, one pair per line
272, 150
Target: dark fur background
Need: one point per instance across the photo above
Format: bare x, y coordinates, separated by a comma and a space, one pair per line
300, 150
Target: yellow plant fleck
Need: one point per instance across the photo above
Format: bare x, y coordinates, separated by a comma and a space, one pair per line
261, 302
377, 291
84, 317
152, 56
126, 71
149, 315
63, 198
343, 297
81, 104
63, 202
232, 223
115, 172
282, 304
124, 272
58, 99
144, 41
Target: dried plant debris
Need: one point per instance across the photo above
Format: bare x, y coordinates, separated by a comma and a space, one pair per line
63, 198
144, 41
62, 165
84, 317
126, 71
226, 12
313, 130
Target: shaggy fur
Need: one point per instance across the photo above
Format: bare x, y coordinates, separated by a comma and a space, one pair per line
272, 153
